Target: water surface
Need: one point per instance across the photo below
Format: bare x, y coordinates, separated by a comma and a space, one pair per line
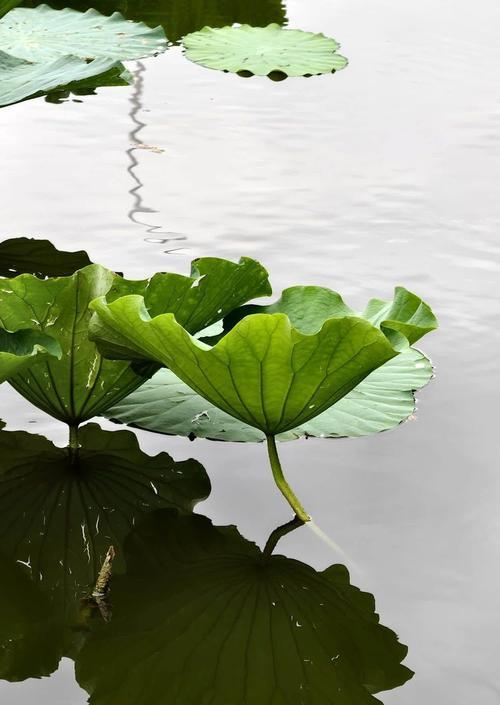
383, 174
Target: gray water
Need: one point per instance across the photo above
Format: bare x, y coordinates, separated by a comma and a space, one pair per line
384, 174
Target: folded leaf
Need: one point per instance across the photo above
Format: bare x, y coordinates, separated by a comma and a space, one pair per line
264, 372
24, 349
308, 307
203, 616
81, 384
165, 404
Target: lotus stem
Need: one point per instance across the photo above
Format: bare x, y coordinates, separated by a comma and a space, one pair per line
283, 485
73, 437
73, 446
278, 534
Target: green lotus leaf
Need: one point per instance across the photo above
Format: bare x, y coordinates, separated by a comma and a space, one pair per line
264, 51
22, 255
81, 384
253, 627
404, 320
20, 79
24, 349
43, 35
264, 371
164, 404
59, 514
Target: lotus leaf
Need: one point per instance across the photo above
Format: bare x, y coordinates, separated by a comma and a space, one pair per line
81, 384
164, 404
264, 51
203, 616
404, 320
59, 513
20, 79
43, 35
266, 372
24, 349
22, 255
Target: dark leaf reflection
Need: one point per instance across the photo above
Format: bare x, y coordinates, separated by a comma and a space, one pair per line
196, 614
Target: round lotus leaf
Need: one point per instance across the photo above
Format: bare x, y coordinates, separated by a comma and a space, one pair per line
264, 51
42, 34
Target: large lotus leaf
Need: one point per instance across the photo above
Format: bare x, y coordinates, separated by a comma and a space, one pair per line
404, 320
22, 255
42, 35
264, 372
79, 384
264, 50
60, 513
24, 349
203, 616
82, 384
380, 402
20, 79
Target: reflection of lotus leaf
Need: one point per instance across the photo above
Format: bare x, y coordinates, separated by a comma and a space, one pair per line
52, 508
58, 517
42, 34
179, 17
30, 633
202, 616
264, 50
22, 255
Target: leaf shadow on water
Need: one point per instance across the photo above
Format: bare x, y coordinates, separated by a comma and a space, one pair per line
180, 17
186, 598
22, 255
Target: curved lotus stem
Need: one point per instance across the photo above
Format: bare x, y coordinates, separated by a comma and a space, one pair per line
279, 533
283, 485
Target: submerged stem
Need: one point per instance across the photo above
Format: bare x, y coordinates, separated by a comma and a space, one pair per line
283, 485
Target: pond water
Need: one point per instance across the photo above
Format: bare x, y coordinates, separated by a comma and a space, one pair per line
384, 174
